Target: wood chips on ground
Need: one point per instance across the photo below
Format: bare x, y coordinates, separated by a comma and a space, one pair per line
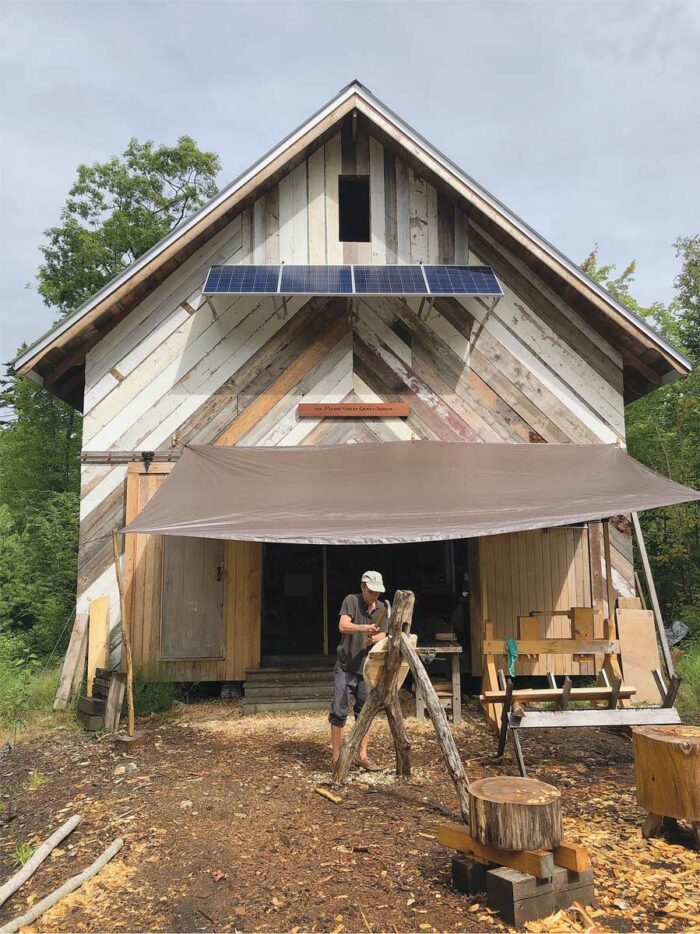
224, 830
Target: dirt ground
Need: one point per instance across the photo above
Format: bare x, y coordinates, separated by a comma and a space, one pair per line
223, 830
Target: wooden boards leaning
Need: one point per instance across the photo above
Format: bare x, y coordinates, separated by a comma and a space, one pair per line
513, 813
98, 639
639, 652
73, 664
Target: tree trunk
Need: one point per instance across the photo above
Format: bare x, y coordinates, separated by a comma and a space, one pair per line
513, 813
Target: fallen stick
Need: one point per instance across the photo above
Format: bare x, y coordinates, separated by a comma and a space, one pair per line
36, 911
38, 857
327, 794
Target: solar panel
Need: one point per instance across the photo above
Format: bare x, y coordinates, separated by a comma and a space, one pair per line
389, 280
242, 278
348, 280
466, 280
316, 280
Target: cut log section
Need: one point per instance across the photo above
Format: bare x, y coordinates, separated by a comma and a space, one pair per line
667, 772
513, 813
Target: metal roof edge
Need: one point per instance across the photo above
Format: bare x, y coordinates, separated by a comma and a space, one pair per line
355, 87
525, 228
143, 260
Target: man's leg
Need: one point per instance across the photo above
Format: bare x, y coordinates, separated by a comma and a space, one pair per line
339, 709
361, 695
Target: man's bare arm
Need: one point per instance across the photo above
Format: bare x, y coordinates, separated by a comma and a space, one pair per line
346, 625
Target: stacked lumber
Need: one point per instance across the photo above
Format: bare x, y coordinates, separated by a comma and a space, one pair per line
102, 710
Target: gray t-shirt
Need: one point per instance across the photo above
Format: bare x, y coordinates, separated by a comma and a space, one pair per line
352, 648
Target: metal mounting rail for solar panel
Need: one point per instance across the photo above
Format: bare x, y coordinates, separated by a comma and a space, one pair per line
430, 280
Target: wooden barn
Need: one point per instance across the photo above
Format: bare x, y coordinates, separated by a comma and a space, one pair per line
157, 363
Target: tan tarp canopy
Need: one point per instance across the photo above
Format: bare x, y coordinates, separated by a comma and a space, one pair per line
397, 491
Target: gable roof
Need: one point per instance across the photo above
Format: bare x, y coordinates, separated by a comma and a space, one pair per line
56, 356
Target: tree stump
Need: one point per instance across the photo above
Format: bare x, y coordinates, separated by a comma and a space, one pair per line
667, 772
513, 813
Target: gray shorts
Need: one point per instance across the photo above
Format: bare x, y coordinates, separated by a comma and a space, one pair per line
346, 683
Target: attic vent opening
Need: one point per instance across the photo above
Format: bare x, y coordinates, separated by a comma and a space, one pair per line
353, 208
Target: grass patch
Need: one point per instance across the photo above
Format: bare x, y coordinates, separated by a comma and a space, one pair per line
688, 702
35, 780
22, 854
26, 701
152, 697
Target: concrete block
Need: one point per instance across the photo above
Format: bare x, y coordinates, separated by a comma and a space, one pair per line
519, 897
468, 876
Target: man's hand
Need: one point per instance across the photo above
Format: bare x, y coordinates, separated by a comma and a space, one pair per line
376, 637
369, 628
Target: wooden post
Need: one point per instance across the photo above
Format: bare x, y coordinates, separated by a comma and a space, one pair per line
125, 633
608, 571
384, 696
666, 651
324, 571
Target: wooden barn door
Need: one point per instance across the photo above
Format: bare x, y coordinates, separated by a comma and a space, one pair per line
164, 574
192, 614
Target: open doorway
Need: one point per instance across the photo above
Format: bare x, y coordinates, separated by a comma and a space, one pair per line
304, 587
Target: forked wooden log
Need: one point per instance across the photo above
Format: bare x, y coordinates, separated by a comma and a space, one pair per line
37, 858
440, 724
384, 696
37, 910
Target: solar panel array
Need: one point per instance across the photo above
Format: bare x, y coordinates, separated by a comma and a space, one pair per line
349, 280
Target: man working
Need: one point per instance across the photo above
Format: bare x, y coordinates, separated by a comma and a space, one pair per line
364, 620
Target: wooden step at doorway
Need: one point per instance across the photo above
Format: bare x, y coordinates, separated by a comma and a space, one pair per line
291, 688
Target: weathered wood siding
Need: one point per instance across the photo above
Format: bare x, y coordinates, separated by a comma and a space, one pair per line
176, 372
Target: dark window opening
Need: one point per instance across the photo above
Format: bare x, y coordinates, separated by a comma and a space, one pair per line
353, 208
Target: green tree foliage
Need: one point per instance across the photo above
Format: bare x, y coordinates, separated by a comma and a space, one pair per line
114, 212
663, 432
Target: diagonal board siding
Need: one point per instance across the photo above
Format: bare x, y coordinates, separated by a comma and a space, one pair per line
172, 372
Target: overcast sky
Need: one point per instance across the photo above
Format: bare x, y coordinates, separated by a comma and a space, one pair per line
583, 117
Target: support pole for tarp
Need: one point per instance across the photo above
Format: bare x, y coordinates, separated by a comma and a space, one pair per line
125, 632
665, 650
608, 575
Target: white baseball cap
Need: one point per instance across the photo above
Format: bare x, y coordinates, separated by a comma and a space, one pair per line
374, 581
